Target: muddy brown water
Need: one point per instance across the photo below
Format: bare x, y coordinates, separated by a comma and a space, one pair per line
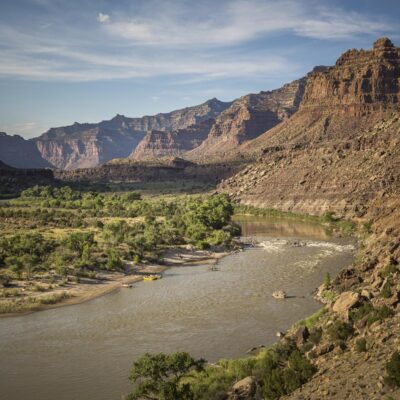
85, 351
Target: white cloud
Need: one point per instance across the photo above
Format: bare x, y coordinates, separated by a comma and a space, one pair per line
25, 129
244, 20
167, 39
102, 18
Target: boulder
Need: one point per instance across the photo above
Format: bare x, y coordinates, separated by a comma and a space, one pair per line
345, 302
301, 335
243, 389
279, 294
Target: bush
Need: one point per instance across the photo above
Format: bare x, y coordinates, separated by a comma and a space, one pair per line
393, 370
315, 335
340, 331
283, 374
386, 291
328, 280
329, 216
388, 270
359, 313
160, 376
379, 314
361, 345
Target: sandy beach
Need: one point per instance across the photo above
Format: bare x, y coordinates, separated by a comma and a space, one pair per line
106, 282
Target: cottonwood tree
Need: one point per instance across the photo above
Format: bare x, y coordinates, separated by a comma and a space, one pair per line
159, 376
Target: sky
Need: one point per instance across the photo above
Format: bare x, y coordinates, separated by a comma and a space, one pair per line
66, 61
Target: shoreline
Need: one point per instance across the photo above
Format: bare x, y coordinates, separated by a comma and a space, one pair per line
109, 282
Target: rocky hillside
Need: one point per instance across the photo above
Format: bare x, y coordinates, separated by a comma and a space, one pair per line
158, 144
20, 153
340, 150
247, 118
88, 145
13, 180
341, 153
169, 170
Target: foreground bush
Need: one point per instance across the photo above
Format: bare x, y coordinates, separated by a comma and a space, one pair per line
393, 370
159, 376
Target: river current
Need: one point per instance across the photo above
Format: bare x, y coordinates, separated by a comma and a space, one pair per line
85, 351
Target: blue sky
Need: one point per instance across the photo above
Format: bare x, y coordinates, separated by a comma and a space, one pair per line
65, 61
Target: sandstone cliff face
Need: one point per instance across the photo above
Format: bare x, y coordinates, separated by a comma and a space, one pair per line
20, 153
180, 119
174, 170
247, 118
361, 81
88, 145
158, 144
340, 151
89, 148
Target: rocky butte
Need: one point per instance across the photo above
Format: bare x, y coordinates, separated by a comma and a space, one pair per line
89, 145
340, 152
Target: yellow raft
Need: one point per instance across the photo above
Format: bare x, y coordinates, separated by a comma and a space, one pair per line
152, 277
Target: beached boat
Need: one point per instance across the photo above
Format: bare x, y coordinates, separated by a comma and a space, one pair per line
152, 277
127, 285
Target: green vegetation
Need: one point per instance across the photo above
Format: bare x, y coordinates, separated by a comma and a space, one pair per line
389, 270
361, 345
340, 331
327, 280
393, 370
371, 314
160, 376
312, 320
62, 235
278, 371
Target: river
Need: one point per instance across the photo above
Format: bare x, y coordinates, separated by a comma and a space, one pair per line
85, 351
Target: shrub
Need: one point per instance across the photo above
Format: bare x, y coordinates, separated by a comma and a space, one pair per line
282, 373
329, 216
340, 331
327, 281
160, 376
388, 270
315, 335
386, 291
393, 370
361, 345
359, 313
379, 314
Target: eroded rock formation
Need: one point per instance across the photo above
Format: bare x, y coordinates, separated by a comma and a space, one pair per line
340, 150
88, 145
247, 118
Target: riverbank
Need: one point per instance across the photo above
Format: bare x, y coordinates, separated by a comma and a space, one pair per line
71, 292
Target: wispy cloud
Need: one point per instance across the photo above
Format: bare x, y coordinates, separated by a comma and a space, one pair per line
102, 18
242, 21
181, 38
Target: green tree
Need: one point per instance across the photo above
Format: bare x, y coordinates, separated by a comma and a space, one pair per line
78, 240
159, 376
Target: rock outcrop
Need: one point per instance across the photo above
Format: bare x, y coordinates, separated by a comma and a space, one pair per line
88, 145
169, 170
158, 144
341, 149
247, 118
13, 180
20, 153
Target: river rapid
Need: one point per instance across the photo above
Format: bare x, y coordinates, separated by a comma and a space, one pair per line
85, 351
